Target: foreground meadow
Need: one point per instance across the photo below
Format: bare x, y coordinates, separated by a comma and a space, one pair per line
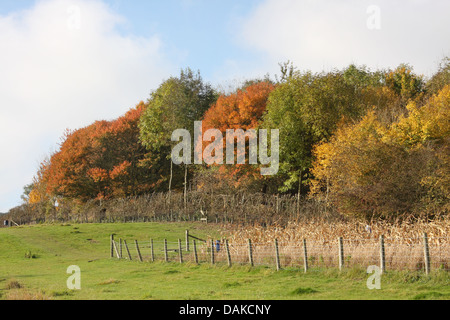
34, 262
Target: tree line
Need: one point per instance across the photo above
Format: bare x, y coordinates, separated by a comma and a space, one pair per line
369, 144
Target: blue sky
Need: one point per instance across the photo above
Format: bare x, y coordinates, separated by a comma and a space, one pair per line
67, 63
197, 33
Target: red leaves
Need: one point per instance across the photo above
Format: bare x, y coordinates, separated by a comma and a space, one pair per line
120, 170
98, 175
241, 110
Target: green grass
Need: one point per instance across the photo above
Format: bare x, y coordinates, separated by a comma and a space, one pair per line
37, 258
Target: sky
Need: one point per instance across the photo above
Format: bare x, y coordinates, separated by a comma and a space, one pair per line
66, 63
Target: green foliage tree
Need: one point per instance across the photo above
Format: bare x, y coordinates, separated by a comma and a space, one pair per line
176, 104
440, 79
306, 108
26, 192
405, 83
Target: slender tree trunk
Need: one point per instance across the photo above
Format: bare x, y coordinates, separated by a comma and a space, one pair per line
170, 181
299, 192
185, 187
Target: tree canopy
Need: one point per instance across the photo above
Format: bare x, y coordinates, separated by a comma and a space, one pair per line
369, 143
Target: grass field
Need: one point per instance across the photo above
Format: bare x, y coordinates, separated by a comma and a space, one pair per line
34, 261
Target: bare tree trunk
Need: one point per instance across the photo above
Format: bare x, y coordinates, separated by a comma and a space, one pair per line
185, 188
299, 192
328, 189
170, 181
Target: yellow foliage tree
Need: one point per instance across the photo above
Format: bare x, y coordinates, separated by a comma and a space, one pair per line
430, 122
368, 169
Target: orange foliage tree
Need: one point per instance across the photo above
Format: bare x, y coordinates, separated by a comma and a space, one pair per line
240, 110
38, 192
101, 161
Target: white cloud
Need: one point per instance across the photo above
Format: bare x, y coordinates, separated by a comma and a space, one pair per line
65, 64
326, 34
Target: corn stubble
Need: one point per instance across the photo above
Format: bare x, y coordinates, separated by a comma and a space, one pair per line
404, 244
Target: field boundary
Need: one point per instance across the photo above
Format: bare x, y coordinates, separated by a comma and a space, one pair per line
424, 253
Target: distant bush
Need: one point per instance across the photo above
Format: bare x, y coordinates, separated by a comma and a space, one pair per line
29, 255
13, 284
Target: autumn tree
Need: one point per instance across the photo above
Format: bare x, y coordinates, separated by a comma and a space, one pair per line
100, 161
176, 104
68, 174
119, 153
242, 110
372, 170
440, 79
306, 109
405, 82
36, 192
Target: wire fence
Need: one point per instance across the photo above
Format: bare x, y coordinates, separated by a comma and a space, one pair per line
426, 253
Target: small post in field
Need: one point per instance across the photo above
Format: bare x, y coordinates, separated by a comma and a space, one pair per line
228, 252
277, 255
115, 249
212, 252
195, 252
120, 248
138, 251
187, 240
426, 250
128, 251
250, 252
166, 256
152, 251
112, 245
341, 253
180, 251
382, 255
305, 256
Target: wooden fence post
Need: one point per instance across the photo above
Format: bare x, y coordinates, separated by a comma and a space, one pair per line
305, 256
195, 252
112, 245
115, 249
138, 251
250, 252
382, 255
166, 257
277, 255
180, 249
128, 251
187, 240
426, 250
228, 252
152, 251
341, 253
120, 248
212, 252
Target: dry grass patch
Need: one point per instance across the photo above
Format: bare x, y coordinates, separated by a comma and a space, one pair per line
109, 281
25, 294
13, 284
